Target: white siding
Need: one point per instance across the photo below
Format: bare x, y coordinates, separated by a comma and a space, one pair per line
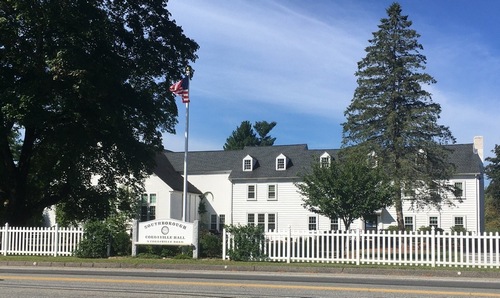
218, 190
155, 185
468, 209
287, 207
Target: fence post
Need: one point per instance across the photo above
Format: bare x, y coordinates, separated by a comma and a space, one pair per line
433, 247
357, 248
224, 239
5, 239
56, 240
288, 245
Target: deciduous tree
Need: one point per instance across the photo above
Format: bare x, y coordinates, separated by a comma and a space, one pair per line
394, 119
349, 188
84, 84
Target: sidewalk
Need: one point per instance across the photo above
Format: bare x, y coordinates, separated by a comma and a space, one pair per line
302, 268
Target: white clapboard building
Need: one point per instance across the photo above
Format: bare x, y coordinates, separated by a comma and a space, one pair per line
256, 185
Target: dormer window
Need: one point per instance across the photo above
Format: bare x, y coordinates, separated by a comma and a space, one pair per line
248, 163
372, 159
281, 162
324, 160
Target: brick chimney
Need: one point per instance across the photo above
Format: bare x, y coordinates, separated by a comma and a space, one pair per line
479, 147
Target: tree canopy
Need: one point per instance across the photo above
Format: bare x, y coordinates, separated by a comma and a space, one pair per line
492, 201
245, 135
348, 188
83, 95
394, 119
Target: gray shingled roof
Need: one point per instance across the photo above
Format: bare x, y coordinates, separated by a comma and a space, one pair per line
300, 157
464, 158
166, 172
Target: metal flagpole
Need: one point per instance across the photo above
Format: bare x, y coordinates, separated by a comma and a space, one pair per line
186, 138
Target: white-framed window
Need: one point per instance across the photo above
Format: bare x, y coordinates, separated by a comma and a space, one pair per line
409, 223
372, 159
148, 206
325, 160
312, 223
251, 192
271, 221
459, 221
217, 222
421, 157
459, 187
213, 222
248, 163
334, 224
281, 163
264, 220
251, 218
433, 221
272, 192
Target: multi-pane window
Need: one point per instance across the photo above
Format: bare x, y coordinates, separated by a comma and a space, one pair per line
250, 218
334, 225
148, 206
264, 220
313, 223
433, 221
459, 221
271, 192
271, 221
261, 220
408, 223
213, 222
372, 159
280, 164
217, 222
247, 165
251, 192
459, 189
325, 161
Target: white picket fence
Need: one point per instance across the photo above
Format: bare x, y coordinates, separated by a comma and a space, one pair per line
379, 247
54, 241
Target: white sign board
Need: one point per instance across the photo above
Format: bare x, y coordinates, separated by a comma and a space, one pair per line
165, 232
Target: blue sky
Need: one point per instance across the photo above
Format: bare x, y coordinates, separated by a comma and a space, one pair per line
293, 62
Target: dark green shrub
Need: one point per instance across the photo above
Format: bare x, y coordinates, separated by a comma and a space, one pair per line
248, 243
96, 239
458, 229
210, 245
158, 251
429, 228
121, 242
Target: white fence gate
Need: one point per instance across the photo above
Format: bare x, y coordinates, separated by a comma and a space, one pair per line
379, 247
53, 241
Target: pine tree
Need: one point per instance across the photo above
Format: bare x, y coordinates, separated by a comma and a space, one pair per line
492, 201
392, 118
245, 135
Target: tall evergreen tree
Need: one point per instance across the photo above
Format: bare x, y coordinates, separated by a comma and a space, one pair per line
492, 201
263, 128
492, 170
394, 120
245, 135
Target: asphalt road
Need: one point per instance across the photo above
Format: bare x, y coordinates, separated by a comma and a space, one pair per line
95, 282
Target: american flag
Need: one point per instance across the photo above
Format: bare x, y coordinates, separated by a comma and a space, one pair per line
181, 88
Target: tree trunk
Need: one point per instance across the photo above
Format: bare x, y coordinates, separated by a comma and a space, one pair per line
398, 204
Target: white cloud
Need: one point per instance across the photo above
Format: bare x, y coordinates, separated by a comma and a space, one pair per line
295, 61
